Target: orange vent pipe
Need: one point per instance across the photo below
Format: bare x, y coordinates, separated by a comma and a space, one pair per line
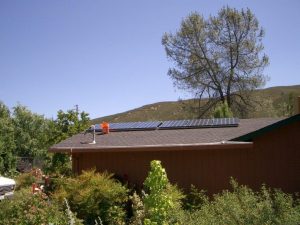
105, 128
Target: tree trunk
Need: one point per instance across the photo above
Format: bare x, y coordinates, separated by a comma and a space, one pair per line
228, 94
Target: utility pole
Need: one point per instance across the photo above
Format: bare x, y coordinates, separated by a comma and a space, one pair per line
77, 109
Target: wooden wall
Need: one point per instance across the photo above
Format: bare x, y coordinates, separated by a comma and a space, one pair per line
274, 160
277, 158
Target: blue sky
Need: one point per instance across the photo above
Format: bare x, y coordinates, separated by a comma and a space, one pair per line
107, 57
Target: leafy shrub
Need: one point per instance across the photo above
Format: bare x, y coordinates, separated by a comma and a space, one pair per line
244, 206
34, 209
195, 199
223, 111
93, 195
157, 202
60, 164
138, 209
162, 198
24, 180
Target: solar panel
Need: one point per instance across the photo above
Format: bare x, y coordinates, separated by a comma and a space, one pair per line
170, 124
126, 126
151, 125
97, 128
201, 123
232, 122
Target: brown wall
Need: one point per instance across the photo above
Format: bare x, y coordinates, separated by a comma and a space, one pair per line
274, 160
277, 158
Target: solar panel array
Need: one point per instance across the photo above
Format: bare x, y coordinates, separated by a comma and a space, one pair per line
148, 125
200, 123
171, 124
97, 128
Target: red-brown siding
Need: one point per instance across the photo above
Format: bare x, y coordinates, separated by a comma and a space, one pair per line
274, 160
277, 158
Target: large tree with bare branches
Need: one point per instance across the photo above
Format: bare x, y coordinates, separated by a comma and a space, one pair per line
220, 58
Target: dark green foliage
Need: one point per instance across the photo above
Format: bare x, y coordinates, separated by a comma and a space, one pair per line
244, 206
22, 134
24, 180
7, 142
27, 134
29, 209
31, 133
96, 197
92, 195
67, 124
195, 199
60, 164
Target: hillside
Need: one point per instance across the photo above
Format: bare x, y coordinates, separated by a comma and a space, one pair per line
272, 101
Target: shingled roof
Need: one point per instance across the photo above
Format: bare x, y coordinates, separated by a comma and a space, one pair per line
156, 138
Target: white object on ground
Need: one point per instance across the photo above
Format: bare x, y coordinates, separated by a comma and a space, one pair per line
7, 187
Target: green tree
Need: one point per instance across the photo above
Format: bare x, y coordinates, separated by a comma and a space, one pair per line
219, 58
30, 133
158, 202
67, 124
7, 144
27, 134
223, 111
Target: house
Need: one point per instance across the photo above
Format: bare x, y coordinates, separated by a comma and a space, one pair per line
254, 151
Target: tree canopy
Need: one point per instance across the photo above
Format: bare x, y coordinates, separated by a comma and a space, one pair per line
220, 58
27, 134
67, 124
31, 132
7, 144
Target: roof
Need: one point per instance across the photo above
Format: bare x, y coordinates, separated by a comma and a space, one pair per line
256, 133
163, 138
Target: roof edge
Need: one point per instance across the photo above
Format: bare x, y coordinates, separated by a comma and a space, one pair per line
259, 132
196, 146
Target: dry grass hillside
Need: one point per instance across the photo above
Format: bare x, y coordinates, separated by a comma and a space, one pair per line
272, 104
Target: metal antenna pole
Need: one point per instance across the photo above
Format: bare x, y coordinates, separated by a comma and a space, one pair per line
94, 135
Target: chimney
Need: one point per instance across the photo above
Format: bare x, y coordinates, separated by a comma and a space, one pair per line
297, 108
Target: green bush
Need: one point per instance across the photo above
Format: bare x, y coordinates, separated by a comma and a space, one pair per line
195, 199
32, 209
24, 180
162, 198
98, 199
138, 210
59, 164
244, 206
223, 111
93, 195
